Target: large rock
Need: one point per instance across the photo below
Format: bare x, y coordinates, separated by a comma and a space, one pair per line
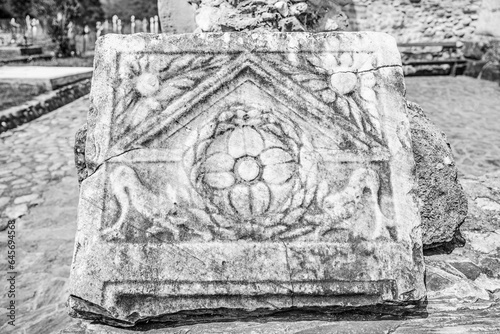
233, 176
443, 201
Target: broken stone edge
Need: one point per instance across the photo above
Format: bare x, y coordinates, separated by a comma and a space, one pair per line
83, 309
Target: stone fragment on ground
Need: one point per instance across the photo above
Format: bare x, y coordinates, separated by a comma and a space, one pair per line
443, 201
247, 179
443, 280
484, 202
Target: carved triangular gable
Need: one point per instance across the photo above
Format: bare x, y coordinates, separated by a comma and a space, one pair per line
246, 67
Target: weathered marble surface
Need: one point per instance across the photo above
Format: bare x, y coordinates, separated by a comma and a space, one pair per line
248, 172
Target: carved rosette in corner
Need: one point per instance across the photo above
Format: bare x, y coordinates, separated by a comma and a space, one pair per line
346, 81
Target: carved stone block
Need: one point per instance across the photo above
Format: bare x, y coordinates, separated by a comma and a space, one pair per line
251, 173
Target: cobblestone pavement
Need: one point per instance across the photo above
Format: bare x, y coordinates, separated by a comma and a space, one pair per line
468, 112
37, 154
38, 183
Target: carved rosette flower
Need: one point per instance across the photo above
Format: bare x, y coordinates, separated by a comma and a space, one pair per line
253, 167
252, 171
143, 88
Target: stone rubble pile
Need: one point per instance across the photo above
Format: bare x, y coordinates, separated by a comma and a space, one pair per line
274, 15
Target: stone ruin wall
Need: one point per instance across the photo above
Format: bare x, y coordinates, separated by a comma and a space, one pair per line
415, 21
407, 20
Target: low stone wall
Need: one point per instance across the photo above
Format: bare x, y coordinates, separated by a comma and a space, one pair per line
15, 116
17, 51
416, 20
406, 20
14, 91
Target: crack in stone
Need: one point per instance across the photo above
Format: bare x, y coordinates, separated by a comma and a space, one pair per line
372, 69
180, 250
114, 156
289, 272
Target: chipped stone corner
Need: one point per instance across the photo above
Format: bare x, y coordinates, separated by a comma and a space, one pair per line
81, 308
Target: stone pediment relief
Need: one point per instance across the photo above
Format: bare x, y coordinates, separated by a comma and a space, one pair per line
160, 102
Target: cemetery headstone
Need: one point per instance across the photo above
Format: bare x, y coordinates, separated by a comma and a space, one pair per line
157, 25
98, 29
86, 31
106, 26
15, 27
115, 24
245, 172
27, 33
